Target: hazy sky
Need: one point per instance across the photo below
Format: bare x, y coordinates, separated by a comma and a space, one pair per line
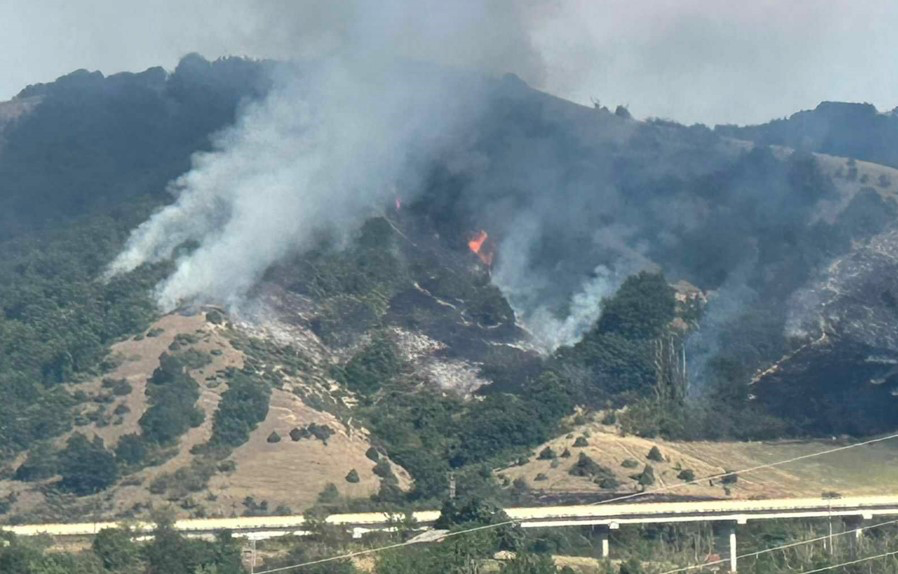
712, 61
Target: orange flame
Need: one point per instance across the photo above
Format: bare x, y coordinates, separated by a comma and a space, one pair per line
478, 245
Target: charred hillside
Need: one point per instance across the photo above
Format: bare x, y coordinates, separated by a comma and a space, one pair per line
841, 377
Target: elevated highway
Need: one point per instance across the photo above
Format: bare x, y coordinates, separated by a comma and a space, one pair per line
605, 516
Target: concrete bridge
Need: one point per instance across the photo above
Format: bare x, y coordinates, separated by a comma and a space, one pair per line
606, 517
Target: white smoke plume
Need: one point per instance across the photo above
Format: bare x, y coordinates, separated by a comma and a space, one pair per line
332, 140
551, 332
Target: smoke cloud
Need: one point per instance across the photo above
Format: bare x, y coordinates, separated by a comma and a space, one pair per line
551, 332
332, 141
577, 199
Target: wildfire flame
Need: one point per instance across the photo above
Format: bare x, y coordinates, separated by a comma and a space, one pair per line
480, 246
398, 203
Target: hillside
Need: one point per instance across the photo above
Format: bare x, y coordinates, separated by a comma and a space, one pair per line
857, 472
559, 258
836, 128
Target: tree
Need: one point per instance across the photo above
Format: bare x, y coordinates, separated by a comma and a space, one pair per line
641, 309
631, 566
169, 552
525, 563
547, 454
116, 549
687, 474
647, 476
86, 466
173, 395
41, 463
243, 406
130, 449
377, 363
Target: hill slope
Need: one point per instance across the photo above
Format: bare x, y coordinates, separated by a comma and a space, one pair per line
562, 257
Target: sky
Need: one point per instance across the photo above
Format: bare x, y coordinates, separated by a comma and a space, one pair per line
708, 61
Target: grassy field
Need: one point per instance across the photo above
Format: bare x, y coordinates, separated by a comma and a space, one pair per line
866, 470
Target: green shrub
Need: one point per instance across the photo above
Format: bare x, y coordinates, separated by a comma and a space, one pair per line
686, 475
547, 454
383, 469
329, 495
42, 462
86, 466
316, 431
375, 364
120, 387
243, 406
587, 467
172, 396
608, 482
130, 450
646, 477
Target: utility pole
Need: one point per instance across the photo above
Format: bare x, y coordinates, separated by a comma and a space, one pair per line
828, 541
252, 563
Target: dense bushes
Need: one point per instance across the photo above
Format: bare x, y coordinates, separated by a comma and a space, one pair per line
376, 363
172, 396
614, 359
86, 466
243, 406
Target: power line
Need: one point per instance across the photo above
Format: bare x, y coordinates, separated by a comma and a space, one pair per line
749, 470
781, 547
382, 548
858, 561
607, 501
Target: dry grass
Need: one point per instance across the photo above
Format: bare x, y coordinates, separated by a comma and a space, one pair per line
139, 360
286, 473
862, 471
294, 473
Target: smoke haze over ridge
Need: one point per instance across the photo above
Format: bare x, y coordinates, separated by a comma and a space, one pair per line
331, 143
711, 61
576, 200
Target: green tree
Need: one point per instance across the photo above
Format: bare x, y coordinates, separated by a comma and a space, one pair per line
172, 395
116, 549
41, 463
86, 466
243, 406
375, 364
631, 566
130, 449
525, 563
642, 308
